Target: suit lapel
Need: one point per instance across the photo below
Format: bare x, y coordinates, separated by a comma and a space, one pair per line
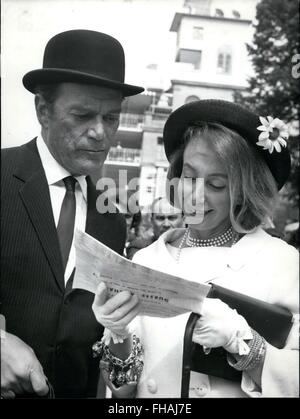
36, 198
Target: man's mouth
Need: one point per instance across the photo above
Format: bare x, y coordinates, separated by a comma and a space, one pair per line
87, 150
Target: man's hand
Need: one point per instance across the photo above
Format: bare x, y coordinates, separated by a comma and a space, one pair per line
21, 371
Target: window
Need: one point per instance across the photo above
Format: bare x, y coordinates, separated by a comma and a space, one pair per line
197, 33
219, 13
192, 98
224, 62
189, 56
236, 14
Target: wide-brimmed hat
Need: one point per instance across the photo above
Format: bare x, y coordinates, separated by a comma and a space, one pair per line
266, 134
82, 56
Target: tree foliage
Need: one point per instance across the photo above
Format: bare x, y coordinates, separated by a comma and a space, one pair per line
274, 88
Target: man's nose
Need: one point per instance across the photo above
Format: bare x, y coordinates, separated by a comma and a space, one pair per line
166, 222
96, 130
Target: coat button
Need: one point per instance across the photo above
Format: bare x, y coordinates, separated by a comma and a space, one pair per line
152, 386
201, 390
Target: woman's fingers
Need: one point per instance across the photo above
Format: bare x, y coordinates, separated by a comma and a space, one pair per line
122, 311
100, 296
106, 307
125, 391
120, 325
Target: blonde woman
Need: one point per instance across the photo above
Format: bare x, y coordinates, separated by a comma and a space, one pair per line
243, 161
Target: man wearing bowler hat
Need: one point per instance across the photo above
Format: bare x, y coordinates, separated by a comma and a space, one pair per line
46, 194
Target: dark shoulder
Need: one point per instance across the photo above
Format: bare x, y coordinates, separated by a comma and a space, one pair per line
9, 157
141, 242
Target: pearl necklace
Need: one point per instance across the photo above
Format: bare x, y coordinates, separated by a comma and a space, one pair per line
216, 241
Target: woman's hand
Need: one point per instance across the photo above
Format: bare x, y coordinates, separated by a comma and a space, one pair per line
219, 325
117, 312
126, 391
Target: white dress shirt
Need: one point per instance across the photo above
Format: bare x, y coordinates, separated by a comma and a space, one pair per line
55, 174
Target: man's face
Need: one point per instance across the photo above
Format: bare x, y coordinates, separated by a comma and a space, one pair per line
165, 217
79, 128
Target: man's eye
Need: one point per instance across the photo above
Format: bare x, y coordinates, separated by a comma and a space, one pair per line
112, 117
81, 115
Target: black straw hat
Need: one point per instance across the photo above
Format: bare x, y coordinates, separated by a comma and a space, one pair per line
82, 56
232, 116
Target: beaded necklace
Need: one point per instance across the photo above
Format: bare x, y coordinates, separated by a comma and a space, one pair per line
229, 235
215, 241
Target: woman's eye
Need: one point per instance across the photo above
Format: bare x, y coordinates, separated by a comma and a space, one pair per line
216, 186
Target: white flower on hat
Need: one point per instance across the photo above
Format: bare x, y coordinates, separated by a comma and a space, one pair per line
274, 134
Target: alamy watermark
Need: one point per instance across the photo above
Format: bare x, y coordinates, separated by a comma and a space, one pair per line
187, 195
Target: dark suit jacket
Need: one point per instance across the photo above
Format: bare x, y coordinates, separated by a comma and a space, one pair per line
56, 321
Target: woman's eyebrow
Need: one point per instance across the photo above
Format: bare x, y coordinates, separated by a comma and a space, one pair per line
223, 175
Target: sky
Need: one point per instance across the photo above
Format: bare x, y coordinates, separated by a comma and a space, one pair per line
142, 27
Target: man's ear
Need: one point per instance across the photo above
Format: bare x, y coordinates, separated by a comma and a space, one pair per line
42, 110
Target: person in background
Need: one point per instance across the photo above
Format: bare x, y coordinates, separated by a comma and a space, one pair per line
133, 217
242, 161
291, 234
163, 218
47, 192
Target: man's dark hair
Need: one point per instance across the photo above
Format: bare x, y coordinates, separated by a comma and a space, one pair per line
48, 91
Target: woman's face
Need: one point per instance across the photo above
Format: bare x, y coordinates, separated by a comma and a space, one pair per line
199, 161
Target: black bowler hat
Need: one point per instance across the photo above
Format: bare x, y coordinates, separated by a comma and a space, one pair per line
82, 56
234, 117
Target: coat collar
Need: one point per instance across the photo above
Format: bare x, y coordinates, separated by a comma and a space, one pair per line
238, 255
34, 192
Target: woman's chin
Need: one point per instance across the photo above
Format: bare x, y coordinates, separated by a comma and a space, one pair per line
199, 219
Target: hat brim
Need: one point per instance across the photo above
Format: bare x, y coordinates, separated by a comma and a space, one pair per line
57, 75
232, 116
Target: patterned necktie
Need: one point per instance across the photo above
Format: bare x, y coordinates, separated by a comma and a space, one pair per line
66, 222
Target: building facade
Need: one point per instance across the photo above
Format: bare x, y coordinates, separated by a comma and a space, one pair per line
211, 62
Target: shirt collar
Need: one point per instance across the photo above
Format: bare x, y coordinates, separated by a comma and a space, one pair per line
53, 170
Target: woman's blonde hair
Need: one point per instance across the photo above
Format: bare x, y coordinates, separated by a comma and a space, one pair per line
252, 187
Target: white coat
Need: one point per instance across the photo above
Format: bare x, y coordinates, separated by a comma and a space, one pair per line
258, 265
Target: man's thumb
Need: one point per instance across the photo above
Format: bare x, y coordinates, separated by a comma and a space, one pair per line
38, 382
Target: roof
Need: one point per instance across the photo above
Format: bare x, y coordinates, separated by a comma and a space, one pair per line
178, 16
206, 84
